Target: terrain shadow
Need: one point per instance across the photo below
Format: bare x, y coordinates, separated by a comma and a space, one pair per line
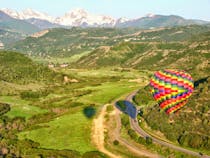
127, 108
89, 111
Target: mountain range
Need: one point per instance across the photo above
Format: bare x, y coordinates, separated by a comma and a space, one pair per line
81, 18
16, 25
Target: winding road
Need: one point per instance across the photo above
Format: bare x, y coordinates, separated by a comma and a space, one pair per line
140, 131
98, 136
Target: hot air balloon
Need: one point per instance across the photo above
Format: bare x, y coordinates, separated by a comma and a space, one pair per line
171, 89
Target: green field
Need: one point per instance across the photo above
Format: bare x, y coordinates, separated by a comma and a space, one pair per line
70, 131
108, 72
20, 107
73, 130
107, 92
56, 60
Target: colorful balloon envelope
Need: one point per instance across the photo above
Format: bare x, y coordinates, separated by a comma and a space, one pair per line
171, 89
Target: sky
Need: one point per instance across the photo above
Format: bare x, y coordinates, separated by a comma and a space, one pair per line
190, 9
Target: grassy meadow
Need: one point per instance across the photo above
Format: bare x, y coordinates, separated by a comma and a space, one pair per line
68, 127
20, 108
70, 131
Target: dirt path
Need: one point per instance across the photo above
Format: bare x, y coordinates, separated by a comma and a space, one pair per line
98, 133
98, 136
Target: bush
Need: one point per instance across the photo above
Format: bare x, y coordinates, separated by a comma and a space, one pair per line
4, 108
33, 94
116, 142
141, 140
125, 121
148, 140
143, 96
109, 108
121, 105
132, 134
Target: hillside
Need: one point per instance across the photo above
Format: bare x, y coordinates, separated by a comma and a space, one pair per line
192, 56
43, 24
17, 68
156, 21
189, 127
79, 40
8, 37
171, 34
73, 41
16, 25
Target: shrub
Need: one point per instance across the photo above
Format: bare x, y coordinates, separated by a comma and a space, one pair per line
132, 134
148, 140
4, 108
116, 142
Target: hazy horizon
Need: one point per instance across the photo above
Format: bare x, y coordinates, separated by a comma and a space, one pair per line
189, 9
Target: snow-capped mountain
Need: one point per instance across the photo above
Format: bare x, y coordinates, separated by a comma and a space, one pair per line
150, 15
28, 14
12, 13
82, 18
79, 17
76, 17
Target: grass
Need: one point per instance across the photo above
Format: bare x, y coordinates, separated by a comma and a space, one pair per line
66, 132
108, 91
72, 131
60, 60
110, 72
20, 107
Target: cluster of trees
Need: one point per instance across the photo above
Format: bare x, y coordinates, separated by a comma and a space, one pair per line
17, 68
133, 135
33, 94
143, 96
4, 108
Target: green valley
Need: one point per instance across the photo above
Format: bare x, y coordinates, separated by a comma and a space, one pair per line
59, 88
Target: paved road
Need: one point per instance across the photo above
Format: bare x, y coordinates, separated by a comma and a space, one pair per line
130, 146
139, 130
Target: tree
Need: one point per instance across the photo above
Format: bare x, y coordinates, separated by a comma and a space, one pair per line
115, 142
148, 140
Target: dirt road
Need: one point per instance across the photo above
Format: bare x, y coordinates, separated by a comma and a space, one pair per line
98, 133
98, 136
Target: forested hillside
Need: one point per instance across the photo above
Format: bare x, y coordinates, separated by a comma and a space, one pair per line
17, 68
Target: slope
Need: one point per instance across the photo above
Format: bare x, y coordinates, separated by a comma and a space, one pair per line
190, 55
21, 26
156, 21
60, 42
17, 68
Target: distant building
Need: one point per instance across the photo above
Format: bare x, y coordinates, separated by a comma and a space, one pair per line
64, 65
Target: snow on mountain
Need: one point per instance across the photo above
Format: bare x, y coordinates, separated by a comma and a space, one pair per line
75, 17
78, 17
121, 20
28, 14
150, 15
12, 13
